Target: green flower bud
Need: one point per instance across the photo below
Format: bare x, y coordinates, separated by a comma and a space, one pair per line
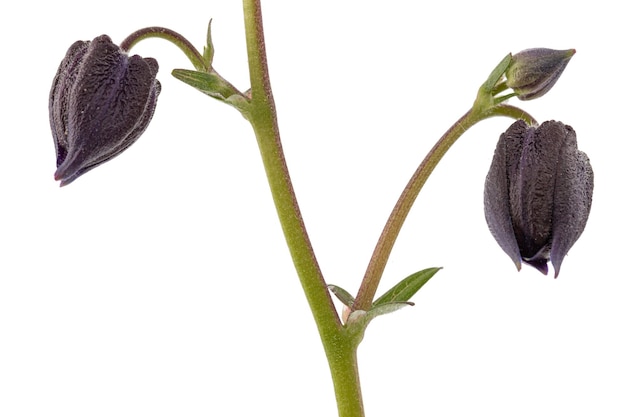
533, 72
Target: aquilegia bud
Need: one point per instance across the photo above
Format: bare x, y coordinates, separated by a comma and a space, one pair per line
533, 72
538, 193
101, 101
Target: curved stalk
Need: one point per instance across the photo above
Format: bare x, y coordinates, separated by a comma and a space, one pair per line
176, 38
388, 237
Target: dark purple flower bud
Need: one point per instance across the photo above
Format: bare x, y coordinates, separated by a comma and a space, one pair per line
538, 193
533, 72
101, 101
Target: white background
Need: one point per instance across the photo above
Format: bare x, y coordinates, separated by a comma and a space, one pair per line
159, 284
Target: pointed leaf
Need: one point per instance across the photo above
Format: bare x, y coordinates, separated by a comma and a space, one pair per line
206, 82
208, 49
497, 73
343, 295
213, 85
405, 289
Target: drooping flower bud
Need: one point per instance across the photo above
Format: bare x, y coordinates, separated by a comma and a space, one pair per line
101, 101
538, 193
533, 72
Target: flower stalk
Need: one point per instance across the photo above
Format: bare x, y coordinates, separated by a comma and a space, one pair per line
176, 38
390, 232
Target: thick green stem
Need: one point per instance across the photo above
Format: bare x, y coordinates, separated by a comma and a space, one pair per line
345, 373
340, 346
388, 237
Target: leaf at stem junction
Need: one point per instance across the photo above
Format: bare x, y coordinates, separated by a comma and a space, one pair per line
344, 296
405, 289
213, 85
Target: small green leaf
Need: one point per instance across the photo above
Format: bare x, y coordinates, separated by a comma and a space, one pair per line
497, 73
208, 49
213, 85
206, 82
405, 289
343, 295
491, 87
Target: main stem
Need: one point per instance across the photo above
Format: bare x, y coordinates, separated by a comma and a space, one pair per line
339, 345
